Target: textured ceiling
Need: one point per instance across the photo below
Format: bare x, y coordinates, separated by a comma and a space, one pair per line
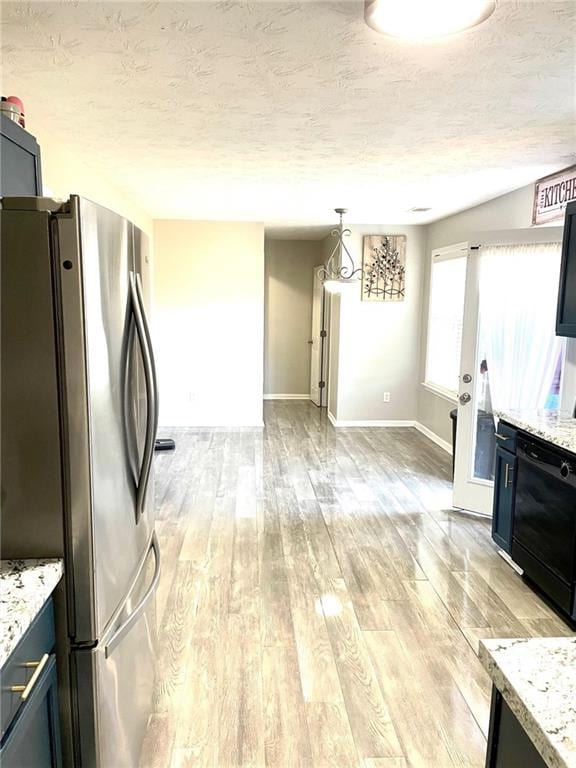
280, 111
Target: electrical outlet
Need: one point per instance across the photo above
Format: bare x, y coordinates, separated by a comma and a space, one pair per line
386, 397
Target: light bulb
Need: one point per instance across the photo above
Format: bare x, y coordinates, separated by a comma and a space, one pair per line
421, 19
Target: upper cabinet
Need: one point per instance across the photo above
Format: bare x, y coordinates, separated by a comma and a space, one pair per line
566, 315
20, 174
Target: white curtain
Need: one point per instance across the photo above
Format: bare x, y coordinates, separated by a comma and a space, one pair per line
518, 295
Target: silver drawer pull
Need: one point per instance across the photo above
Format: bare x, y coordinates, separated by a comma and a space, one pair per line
501, 437
26, 690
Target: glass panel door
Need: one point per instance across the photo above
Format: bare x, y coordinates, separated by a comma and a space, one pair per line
510, 359
473, 470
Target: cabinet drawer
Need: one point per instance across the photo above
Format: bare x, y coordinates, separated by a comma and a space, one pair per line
33, 739
506, 437
38, 640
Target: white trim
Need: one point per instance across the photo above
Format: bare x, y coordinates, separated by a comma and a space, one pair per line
286, 397
452, 397
370, 422
506, 557
444, 444
449, 249
402, 423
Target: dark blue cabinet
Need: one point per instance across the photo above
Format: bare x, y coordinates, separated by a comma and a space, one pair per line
20, 173
33, 740
508, 743
504, 488
30, 724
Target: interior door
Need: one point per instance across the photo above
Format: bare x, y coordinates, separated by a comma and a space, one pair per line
316, 341
474, 459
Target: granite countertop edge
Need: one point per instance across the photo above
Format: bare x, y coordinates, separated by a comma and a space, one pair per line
556, 427
25, 586
542, 740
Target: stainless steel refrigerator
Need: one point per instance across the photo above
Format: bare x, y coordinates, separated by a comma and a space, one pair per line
79, 419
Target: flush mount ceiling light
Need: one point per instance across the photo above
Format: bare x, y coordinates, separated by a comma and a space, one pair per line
421, 19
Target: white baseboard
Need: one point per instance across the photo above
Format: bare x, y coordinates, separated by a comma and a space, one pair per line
507, 559
370, 422
444, 444
393, 423
286, 397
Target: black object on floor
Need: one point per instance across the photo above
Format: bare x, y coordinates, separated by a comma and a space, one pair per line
164, 444
454, 417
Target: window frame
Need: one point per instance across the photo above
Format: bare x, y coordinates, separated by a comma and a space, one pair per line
457, 251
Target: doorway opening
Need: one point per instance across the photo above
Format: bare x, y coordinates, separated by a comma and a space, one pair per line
294, 321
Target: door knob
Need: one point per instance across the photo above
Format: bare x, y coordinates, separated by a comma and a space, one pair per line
465, 398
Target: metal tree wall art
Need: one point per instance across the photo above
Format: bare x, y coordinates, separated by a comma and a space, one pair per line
384, 268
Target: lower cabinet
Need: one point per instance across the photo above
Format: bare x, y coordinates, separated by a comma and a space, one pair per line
509, 746
29, 716
504, 494
33, 741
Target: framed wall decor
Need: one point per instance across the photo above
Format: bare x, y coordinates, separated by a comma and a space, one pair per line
552, 194
384, 267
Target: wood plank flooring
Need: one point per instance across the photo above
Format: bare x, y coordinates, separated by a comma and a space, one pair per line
320, 605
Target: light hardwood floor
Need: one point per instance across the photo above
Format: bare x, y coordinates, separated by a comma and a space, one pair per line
320, 604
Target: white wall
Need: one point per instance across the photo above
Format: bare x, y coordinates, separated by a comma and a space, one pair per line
209, 322
289, 268
505, 219
65, 173
379, 343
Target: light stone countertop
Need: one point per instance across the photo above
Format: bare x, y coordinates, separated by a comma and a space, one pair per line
25, 585
557, 427
537, 678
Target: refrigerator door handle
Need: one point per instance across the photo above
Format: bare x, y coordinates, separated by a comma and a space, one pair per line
127, 625
152, 401
130, 426
140, 294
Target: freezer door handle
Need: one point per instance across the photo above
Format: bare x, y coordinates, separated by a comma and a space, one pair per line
152, 400
127, 625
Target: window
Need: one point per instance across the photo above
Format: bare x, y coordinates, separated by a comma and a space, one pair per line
445, 318
518, 293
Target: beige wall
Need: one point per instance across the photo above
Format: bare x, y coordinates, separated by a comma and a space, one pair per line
511, 211
65, 173
209, 322
379, 344
504, 219
289, 266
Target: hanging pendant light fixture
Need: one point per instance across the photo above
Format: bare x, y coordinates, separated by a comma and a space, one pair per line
340, 266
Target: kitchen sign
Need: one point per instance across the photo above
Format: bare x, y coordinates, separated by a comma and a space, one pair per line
552, 194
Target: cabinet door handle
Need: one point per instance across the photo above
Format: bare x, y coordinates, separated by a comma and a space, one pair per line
508, 471
26, 690
501, 437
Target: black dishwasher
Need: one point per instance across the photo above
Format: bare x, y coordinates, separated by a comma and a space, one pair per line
544, 539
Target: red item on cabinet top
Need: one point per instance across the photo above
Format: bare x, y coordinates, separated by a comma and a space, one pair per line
20, 104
